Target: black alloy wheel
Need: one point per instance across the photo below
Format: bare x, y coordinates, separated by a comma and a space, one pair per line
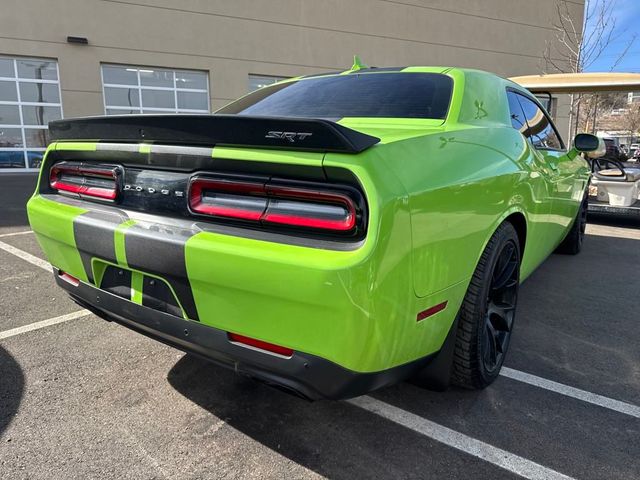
487, 314
501, 306
572, 243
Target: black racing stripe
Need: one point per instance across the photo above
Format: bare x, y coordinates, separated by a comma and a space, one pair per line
161, 251
94, 235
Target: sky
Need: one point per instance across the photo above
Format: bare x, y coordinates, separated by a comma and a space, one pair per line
627, 17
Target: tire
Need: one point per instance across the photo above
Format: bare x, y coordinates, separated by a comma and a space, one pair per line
572, 243
487, 314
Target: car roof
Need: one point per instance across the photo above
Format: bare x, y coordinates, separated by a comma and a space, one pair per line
405, 69
445, 70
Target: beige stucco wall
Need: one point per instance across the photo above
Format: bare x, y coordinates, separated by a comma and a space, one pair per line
232, 38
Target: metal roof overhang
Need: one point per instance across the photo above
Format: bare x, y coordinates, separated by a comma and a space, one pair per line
585, 82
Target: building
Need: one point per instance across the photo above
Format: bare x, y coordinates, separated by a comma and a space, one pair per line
95, 57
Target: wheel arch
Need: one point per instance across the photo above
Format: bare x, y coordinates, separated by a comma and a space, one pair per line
515, 217
437, 375
519, 222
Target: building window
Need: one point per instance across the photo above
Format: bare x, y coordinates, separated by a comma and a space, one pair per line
259, 81
29, 100
130, 90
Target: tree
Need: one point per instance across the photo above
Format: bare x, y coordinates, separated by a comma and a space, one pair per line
575, 48
631, 120
601, 103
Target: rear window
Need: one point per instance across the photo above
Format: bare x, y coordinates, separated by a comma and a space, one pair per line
394, 95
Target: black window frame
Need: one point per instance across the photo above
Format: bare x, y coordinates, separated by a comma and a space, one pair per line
544, 112
525, 123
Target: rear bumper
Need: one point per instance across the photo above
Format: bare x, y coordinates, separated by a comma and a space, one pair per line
355, 308
304, 374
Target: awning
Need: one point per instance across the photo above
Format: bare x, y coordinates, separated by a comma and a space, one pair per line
586, 82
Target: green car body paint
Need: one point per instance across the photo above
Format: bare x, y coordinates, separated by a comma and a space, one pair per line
326, 236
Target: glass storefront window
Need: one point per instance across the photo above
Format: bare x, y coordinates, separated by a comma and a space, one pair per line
29, 100
133, 90
259, 81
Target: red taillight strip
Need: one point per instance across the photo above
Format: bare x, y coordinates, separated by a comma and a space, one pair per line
302, 194
270, 213
300, 221
99, 192
431, 311
260, 345
227, 212
80, 170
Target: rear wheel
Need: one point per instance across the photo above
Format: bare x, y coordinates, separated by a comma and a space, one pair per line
572, 243
487, 314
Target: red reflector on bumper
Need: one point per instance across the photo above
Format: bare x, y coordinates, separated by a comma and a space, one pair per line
259, 344
68, 278
431, 311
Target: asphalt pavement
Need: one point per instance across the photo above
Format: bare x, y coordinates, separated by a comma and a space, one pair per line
84, 398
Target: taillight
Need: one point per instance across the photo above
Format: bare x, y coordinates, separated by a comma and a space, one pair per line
100, 181
305, 207
310, 208
226, 198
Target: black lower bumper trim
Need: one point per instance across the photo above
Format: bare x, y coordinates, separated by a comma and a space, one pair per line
306, 375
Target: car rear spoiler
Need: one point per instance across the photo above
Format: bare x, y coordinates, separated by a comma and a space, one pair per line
229, 130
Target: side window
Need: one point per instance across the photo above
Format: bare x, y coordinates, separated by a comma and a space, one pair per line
541, 131
517, 115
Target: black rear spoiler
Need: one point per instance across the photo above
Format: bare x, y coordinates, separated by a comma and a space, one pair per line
210, 130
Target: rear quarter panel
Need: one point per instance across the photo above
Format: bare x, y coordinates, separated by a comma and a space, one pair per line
461, 184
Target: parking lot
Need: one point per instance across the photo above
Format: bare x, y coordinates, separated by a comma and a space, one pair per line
83, 398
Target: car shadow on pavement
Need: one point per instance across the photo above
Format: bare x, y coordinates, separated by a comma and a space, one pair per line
334, 439
11, 388
311, 434
611, 220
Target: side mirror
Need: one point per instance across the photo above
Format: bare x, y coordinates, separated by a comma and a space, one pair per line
593, 146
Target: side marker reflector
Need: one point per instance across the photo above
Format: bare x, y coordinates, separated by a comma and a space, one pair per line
68, 278
431, 311
259, 344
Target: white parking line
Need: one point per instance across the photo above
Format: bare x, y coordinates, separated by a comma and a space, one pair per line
38, 262
593, 398
44, 323
615, 232
501, 458
15, 233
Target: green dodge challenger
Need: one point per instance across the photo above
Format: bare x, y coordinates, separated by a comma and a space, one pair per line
328, 235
